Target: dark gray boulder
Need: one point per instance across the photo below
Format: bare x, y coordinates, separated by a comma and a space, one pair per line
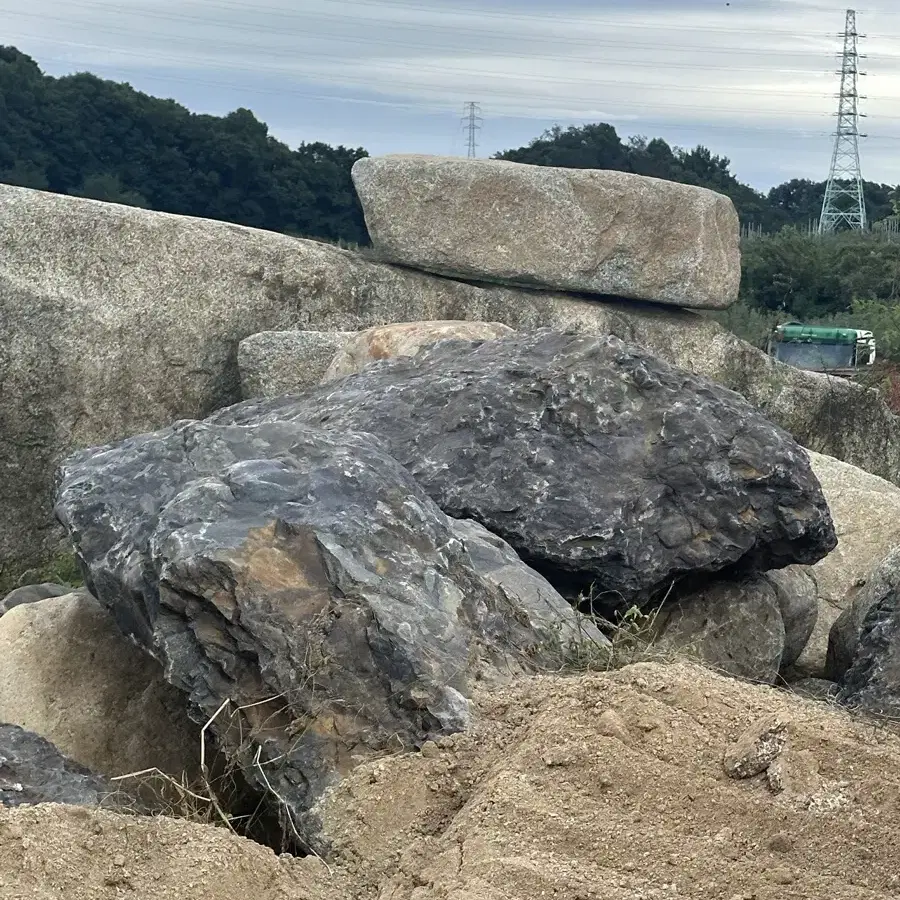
32, 593
495, 560
601, 465
306, 579
32, 771
872, 680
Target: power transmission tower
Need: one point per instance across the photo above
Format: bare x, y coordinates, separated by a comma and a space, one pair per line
844, 200
472, 120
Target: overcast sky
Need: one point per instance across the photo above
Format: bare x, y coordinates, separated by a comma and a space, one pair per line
752, 79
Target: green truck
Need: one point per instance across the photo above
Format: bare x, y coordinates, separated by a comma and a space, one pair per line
819, 348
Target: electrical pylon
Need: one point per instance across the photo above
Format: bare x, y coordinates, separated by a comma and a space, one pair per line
844, 201
472, 120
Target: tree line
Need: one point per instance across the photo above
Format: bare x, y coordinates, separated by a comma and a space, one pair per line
88, 137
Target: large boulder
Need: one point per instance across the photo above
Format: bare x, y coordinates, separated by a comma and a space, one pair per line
734, 627
591, 230
603, 467
301, 585
866, 514
493, 559
119, 320
406, 339
872, 681
68, 674
32, 771
279, 362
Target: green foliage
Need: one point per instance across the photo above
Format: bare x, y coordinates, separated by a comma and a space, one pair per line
883, 320
804, 275
87, 137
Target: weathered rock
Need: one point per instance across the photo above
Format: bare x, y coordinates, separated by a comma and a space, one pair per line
591, 230
493, 559
863, 652
406, 339
177, 295
68, 674
280, 362
866, 514
32, 770
304, 577
757, 748
798, 601
602, 466
32, 593
734, 627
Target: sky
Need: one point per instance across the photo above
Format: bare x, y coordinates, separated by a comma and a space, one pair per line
753, 80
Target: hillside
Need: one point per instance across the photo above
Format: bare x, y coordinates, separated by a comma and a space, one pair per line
87, 137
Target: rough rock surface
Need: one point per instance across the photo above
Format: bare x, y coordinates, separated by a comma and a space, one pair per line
599, 464
843, 639
864, 651
68, 674
120, 320
734, 627
866, 514
280, 362
757, 748
304, 577
798, 601
592, 230
32, 593
32, 770
406, 339
493, 559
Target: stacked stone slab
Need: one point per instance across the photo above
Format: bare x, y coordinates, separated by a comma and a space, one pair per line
580, 230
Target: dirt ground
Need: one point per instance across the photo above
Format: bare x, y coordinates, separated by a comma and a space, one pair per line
598, 786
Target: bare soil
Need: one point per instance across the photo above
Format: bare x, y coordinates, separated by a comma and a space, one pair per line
606, 786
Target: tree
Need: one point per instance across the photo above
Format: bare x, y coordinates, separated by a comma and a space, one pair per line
87, 137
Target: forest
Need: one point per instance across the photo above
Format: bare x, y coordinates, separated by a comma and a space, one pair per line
89, 137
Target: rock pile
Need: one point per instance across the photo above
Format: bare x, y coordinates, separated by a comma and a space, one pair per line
322, 578
89, 359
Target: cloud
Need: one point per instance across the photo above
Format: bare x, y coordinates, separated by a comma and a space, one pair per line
746, 77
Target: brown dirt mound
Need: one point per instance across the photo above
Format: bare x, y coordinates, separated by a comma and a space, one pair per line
52, 852
598, 786
613, 786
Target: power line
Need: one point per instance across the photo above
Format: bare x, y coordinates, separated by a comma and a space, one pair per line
844, 201
304, 20
371, 40
474, 74
541, 19
426, 91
